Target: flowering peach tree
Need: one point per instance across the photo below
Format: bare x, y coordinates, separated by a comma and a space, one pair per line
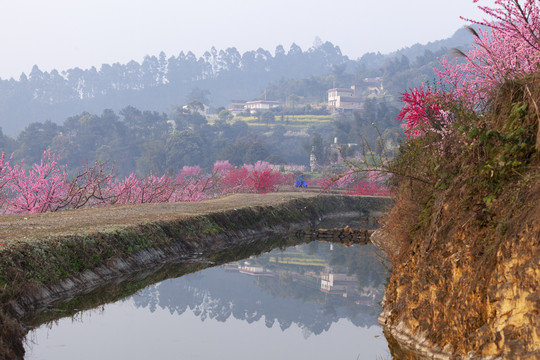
45, 186
506, 47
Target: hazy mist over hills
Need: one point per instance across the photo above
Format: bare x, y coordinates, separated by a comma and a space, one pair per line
164, 81
148, 117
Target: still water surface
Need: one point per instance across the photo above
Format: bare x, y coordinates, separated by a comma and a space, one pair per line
314, 301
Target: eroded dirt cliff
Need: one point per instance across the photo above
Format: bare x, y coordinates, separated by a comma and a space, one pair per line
467, 286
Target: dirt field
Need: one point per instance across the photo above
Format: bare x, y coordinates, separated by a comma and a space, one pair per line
26, 227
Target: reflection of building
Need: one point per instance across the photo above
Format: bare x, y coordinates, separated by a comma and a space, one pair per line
344, 100
340, 284
254, 270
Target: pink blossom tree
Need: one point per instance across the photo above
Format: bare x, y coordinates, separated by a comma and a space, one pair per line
191, 184
506, 47
373, 185
40, 189
131, 190
89, 187
45, 186
357, 180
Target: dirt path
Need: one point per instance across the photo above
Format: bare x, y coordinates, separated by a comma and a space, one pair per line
16, 227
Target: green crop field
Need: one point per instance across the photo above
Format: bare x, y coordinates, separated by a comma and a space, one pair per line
296, 121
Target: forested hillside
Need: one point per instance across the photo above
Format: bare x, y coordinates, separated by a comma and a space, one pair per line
158, 83
216, 78
132, 114
463, 236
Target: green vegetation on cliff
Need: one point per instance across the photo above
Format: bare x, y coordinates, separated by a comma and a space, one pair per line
464, 235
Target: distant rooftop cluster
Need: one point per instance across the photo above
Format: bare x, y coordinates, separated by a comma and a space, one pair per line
252, 106
340, 100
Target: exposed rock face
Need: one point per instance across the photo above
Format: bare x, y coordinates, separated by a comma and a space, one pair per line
469, 288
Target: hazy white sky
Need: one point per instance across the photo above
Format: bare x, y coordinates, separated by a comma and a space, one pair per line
62, 34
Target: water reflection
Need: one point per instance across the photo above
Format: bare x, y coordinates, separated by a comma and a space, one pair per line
315, 301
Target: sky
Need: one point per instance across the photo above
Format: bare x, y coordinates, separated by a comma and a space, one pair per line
62, 34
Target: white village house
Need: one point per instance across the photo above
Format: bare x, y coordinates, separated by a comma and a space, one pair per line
253, 106
344, 100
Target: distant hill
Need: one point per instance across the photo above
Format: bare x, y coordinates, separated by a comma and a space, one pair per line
158, 83
462, 39
161, 83
399, 70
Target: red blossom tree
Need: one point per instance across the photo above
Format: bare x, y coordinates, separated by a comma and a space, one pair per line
234, 181
422, 106
368, 188
505, 47
264, 181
